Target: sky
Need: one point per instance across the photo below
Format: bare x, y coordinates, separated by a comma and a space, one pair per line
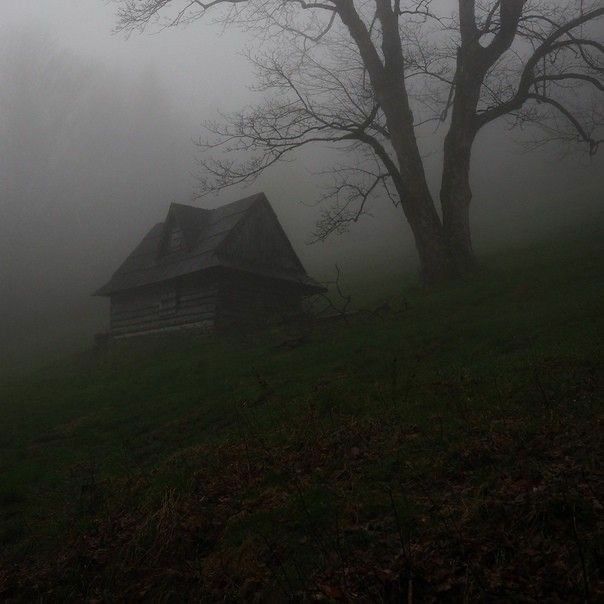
131, 106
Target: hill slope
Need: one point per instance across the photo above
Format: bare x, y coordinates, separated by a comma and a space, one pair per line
445, 447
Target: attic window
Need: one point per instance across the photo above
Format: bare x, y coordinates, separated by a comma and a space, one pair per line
176, 239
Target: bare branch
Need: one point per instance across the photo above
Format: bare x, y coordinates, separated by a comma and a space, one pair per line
569, 76
551, 44
584, 136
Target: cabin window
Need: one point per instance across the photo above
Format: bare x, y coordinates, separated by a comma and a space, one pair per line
175, 241
168, 304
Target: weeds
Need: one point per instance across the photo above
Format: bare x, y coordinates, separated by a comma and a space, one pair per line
408, 456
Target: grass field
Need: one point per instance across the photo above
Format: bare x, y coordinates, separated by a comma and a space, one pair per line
444, 448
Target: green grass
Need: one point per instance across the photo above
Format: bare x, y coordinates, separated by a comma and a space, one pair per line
137, 427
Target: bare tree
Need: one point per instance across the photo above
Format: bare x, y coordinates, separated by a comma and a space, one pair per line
367, 75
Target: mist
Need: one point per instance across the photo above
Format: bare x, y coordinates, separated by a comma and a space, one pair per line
291, 292
96, 140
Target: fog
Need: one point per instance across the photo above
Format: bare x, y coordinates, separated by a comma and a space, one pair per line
96, 136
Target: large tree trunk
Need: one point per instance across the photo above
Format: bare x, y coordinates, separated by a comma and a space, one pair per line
387, 78
455, 196
455, 191
435, 265
416, 200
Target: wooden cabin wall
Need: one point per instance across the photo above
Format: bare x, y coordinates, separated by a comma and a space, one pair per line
248, 301
170, 304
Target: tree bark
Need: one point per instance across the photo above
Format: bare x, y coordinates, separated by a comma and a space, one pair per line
387, 77
455, 191
473, 63
455, 196
435, 265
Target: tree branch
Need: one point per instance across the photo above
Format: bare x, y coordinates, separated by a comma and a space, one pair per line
528, 77
593, 144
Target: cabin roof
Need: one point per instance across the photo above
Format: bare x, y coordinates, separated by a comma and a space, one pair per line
204, 231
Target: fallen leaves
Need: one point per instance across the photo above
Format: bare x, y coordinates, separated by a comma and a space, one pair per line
504, 512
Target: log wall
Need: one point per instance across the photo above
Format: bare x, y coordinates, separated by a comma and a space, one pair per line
233, 300
167, 305
245, 301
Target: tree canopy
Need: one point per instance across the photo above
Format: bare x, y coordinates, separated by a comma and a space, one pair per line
367, 75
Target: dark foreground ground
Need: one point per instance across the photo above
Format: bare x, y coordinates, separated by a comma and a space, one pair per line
444, 448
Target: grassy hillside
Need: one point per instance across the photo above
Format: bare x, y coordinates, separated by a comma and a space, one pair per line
446, 447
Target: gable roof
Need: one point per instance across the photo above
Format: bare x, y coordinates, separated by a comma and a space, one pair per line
205, 234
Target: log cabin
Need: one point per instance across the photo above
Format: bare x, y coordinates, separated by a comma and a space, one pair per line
209, 269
